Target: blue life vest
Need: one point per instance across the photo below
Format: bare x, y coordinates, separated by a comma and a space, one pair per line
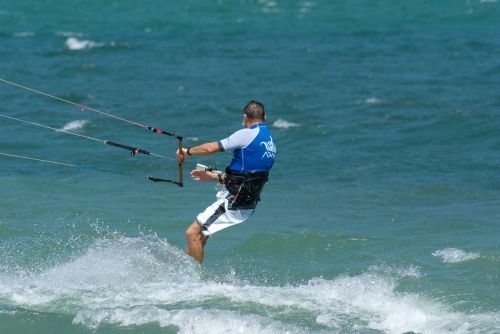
258, 151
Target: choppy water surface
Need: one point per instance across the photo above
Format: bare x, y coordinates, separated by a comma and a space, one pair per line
382, 211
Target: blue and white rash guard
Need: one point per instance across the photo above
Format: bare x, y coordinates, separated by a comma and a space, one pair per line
254, 149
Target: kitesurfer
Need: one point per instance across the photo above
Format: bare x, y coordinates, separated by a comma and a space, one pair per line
254, 152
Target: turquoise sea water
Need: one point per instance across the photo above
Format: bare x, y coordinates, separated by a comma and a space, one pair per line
382, 214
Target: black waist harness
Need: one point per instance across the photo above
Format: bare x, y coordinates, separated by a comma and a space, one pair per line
244, 188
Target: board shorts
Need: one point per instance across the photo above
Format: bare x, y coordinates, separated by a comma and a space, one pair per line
218, 216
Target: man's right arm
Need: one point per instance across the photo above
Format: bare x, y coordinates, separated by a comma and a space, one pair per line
239, 139
203, 149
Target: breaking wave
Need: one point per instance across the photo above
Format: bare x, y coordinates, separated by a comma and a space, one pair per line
73, 43
75, 125
373, 100
283, 124
452, 255
136, 281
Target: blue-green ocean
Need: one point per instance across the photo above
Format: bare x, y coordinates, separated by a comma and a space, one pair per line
382, 212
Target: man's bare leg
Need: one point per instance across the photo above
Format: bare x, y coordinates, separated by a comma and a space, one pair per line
195, 242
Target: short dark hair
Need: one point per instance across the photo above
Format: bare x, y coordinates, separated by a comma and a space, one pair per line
255, 110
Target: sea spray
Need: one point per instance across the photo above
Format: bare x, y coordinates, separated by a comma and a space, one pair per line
134, 281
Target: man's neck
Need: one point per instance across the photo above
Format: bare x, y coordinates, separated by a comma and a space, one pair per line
252, 123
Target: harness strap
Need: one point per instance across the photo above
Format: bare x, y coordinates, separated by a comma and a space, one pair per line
245, 188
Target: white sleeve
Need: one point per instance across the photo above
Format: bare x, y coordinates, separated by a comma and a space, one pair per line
239, 139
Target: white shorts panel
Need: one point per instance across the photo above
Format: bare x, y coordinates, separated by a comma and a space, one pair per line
217, 216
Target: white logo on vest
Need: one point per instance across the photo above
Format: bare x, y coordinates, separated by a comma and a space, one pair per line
270, 149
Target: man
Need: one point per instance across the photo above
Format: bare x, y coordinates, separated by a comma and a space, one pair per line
242, 182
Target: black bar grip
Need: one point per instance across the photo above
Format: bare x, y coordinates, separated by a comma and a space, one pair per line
157, 179
133, 150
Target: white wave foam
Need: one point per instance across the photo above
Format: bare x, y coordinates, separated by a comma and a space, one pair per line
373, 100
196, 320
75, 125
283, 124
73, 43
452, 255
135, 281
